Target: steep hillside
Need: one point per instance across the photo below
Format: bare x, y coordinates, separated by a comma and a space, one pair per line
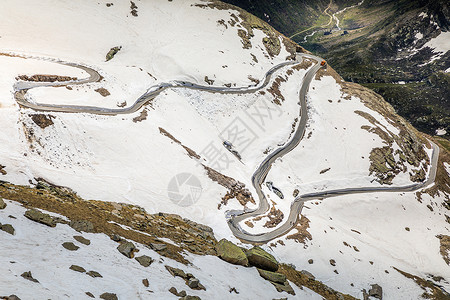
145, 151
399, 49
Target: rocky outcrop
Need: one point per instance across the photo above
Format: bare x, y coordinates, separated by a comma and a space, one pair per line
37, 216
261, 259
189, 279
231, 253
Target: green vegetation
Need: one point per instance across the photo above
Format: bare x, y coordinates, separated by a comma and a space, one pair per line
374, 50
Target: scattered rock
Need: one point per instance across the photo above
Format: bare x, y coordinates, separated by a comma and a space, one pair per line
90, 294
109, 296
176, 272
272, 276
2, 204
174, 291
28, 276
40, 217
70, 246
116, 238
158, 247
7, 228
94, 274
45, 78
144, 260
82, 240
82, 225
77, 268
233, 289
209, 81
145, 282
286, 287
376, 291
193, 283
325, 170
12, 297
102, 91
112, 52
261, 259
332, 262
127, 249
310, 261
231, 253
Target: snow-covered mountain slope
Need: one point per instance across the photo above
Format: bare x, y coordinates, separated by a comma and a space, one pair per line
169, 155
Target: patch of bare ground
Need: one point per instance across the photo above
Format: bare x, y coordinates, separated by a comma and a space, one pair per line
249, 223
432, 291
134, 223
12, 55
42, 120
142, 116
189, 151
329, 71
275, 90
445, 247
275, 217
254, 80
249, 22
305, 64
302, 234
301, 279
102, 91
235, 188
45, 78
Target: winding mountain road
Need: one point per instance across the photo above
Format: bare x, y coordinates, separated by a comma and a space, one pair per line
234, 217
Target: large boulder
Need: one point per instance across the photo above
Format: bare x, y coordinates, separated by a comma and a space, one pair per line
272, 276
40, 217
261, 259
231, 253
376, 291
127, 249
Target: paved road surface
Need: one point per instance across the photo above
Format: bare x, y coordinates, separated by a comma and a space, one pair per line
233, 217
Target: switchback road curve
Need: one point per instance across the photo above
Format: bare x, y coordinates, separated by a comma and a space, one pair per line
236, 216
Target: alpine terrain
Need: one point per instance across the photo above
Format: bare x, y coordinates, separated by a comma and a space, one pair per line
399, 49
185, 149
